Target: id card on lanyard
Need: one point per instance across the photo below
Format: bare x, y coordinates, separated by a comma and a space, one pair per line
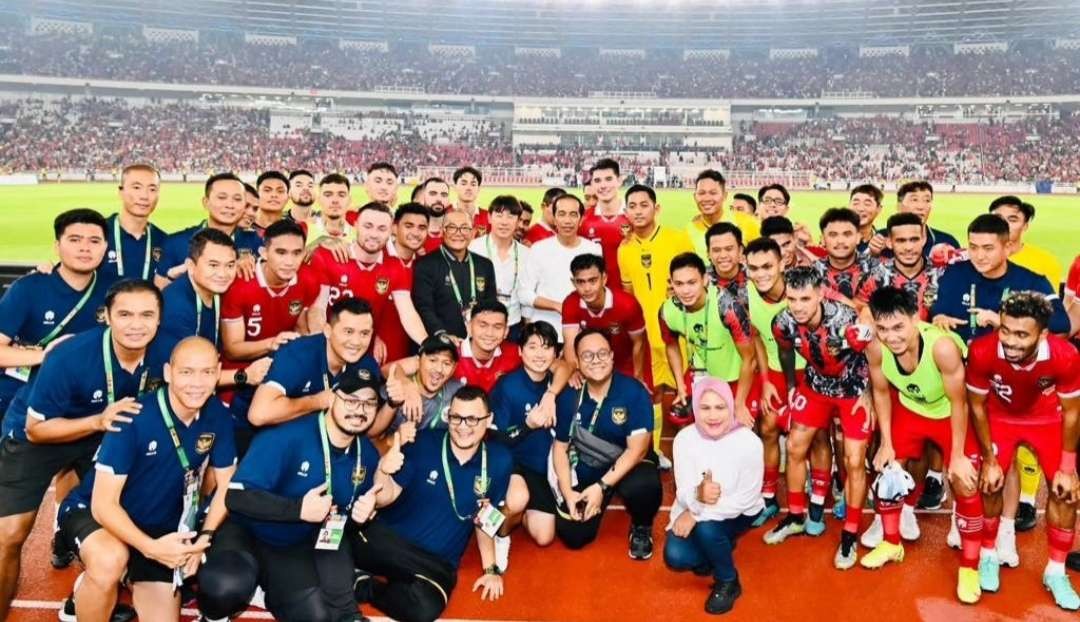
333, 528
466, 307
487, 517
22, 374
120, 250
189, 514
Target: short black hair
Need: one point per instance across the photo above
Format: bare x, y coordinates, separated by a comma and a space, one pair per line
411, 208
487, 305
724, 228
207, 236
989, 223
375, 206
505, 203
640, 188
902, 219
585, 332
272, 175
870, 190
526, 206
687, 260
282, 227
586, 261
742, 196
248, 188
713, 174
468, 170
566, 195
776, 225
471, 393
889, 301
301, 173
762, 245
838, 214
913, 186
1027, 209
777, 187
432, 180
133, 286
348, 304
213, 179
78, 216
382, 166
1028, 304
543, 330
802, 276
335, 178
551, 195
604, 164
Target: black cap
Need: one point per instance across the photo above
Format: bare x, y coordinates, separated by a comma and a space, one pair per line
439, 343
355, 378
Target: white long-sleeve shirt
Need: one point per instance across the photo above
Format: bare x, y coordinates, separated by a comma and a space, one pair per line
507, 272
547, 274
736, 461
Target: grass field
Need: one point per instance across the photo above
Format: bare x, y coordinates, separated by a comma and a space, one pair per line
27, 235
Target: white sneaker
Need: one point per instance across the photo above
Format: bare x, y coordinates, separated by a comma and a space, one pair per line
874, 534
502, 552
1006, 548
663, 462
953, 539
909, 524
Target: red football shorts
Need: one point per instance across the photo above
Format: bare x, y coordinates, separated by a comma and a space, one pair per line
814, 410
1045, 439
911, 431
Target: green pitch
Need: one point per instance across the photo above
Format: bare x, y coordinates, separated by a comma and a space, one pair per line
29, 210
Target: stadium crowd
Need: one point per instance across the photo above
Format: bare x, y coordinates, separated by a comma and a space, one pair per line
223, 59
323, 405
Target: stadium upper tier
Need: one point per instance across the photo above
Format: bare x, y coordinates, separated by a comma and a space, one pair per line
103, 135
1027, 68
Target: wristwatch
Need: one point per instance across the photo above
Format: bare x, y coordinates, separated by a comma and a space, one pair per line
604, 488
493, 569
240, 378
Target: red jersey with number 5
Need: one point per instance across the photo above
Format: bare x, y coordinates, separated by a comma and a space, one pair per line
1028, 393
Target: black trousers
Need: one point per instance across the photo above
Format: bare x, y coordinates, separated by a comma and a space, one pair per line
302, 584
416, 585
640, 490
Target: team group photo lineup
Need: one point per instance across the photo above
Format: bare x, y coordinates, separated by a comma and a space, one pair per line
514, 311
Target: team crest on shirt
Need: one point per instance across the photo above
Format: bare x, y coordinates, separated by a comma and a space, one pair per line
153, 384
204, 443
481, 283
618, 415
625, 229
359, 475
480, 485
155, 252
99, 315
1045, 384
614, 330
481, 230
295, 307
382, 285
646, 260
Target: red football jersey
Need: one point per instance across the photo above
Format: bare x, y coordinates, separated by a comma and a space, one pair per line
432, 243
481, 223
374, 283
620, 318
537, 232
389, 328
1025, 394
1072, 282
506, 359
608, 232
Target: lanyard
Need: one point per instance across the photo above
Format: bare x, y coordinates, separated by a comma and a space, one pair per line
326, 461
120, 250
106, 355
596, 411
441, 396
450, 480
702, 347
493, 257
71, 314
180, 453
199, 310
453, 281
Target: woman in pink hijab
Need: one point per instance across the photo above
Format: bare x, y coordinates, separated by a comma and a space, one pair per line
718, 473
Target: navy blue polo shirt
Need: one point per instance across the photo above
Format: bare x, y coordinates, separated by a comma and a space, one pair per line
71, 384
300, 368
626, 411
175, 250
287, 460
33, 306
513, 396
179, 320
960, 279
423, 514
133, 252
143, 451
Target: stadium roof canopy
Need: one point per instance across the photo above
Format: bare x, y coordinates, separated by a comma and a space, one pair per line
598, 23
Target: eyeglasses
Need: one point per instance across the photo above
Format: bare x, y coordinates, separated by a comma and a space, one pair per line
772, 201
470, 422
599, 355
353, 403
457, 228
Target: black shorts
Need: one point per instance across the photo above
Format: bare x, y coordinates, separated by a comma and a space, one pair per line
77, 524
541, 498
27, 469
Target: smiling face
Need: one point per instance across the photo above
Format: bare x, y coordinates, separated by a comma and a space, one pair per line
804, 303
595, 358
350, 335
605, 183
537, 356
567, 217
989, 253
457, 231
487, 330
468, 422
435, 370
763, 269
641, 211
225, 203
215, 268
709, 197
725, 254
411, 231
134, 318
1019, 338
919, 202
772, 203
81, 247
788, 248
503, 224
251, 208
381, 185
712, 416
897, 331
689, 286
353, 413
373, 230
866, 207
192, 373
906, 242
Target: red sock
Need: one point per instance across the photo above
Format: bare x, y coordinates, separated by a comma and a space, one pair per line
796, 500
819, 485
890, 520
771, 482
853, 520
970, 524
1060, 542
913, 497
989, 533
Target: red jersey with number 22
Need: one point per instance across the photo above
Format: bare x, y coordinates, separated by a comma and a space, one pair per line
1024, 394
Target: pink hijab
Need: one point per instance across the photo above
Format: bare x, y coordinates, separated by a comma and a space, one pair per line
704, 385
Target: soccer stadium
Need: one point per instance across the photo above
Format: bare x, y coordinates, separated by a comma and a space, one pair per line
508, 310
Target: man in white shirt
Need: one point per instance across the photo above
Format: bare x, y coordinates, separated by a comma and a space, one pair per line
546, 281
507, 254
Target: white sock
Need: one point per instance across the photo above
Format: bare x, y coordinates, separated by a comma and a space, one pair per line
1028, 499
908, 509
1008, 525
936, 475
1054, 568
985, 553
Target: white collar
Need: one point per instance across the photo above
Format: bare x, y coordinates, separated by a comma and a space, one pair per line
467, 352
378, 262
1042, 353
609, 302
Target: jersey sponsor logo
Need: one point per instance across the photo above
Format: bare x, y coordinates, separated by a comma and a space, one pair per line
50, 317
382, 285
97, 396
305, 466
151, 449
618, 415
112, 256
295, 307
204, 442
480, 485
432, 477
307, 386
914, 392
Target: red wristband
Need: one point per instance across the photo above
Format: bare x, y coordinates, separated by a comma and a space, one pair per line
1068, 462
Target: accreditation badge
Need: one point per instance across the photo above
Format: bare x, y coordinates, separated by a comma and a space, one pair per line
331, 533
22, 374
489, 519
